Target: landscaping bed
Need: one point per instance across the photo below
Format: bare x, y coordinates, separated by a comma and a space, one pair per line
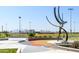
13, 50
32, 39
1, 39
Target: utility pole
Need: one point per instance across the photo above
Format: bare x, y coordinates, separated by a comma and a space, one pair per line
74, 26
70, 10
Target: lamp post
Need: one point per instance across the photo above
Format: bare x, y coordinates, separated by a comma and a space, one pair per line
70, 10
2, 28
6, 26
29, 25
19, 24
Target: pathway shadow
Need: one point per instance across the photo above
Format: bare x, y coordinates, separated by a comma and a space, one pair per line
25, 42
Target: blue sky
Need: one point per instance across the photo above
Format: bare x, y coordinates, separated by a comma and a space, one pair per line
37, 16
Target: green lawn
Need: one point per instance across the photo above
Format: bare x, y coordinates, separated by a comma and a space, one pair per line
18, 35
73, 36
13, 50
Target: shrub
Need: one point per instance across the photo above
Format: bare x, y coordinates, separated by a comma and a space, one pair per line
36, 36
31, 34
75, 44
49, 36
45, 36
40, 36
6, 33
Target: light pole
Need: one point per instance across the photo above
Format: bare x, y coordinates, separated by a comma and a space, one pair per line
70, 10
19, 24
6, 27
2, 28
29, 25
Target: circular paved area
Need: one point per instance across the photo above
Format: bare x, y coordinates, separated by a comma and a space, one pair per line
30, 48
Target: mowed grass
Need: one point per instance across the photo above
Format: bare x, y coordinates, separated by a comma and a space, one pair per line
73, 36
56, 34
18, 35
53, 35
13, 50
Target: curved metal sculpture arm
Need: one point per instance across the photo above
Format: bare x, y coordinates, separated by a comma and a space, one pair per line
58, 21
59, 27
59, 32
65, 33
62, 22
56, 16
51, 23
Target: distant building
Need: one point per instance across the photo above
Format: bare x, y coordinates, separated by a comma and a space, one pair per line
32, 31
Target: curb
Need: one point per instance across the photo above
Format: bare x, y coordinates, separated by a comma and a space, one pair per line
68, 48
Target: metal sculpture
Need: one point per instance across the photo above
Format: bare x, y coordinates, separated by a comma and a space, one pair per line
60, 21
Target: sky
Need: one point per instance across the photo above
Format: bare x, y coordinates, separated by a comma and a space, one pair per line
34, 17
